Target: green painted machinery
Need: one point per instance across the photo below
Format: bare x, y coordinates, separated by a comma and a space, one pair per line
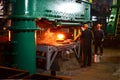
113, 26
23, 26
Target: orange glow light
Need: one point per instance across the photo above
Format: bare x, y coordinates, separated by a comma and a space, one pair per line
60, 37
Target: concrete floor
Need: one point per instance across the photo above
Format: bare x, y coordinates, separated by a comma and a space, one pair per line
107, 69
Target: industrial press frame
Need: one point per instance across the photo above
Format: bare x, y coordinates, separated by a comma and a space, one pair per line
23, 26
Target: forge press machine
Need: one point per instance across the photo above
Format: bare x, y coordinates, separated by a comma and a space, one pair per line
70, 13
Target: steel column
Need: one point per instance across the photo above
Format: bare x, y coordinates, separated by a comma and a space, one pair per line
23, 35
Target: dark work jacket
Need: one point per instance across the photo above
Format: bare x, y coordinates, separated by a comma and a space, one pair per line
98, 35
87, 38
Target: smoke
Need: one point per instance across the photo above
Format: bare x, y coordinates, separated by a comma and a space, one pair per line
46, 37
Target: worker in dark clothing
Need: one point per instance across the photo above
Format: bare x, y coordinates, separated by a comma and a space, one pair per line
98, 39
86, 45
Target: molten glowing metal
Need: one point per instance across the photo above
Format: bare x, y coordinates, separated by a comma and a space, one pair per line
60, 37
50, 38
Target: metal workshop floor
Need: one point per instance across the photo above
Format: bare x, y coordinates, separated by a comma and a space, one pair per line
107, 69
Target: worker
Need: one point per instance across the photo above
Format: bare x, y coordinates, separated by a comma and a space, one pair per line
98, 39
86, 38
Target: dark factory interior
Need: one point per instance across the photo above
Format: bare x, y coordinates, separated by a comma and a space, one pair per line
42, 39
